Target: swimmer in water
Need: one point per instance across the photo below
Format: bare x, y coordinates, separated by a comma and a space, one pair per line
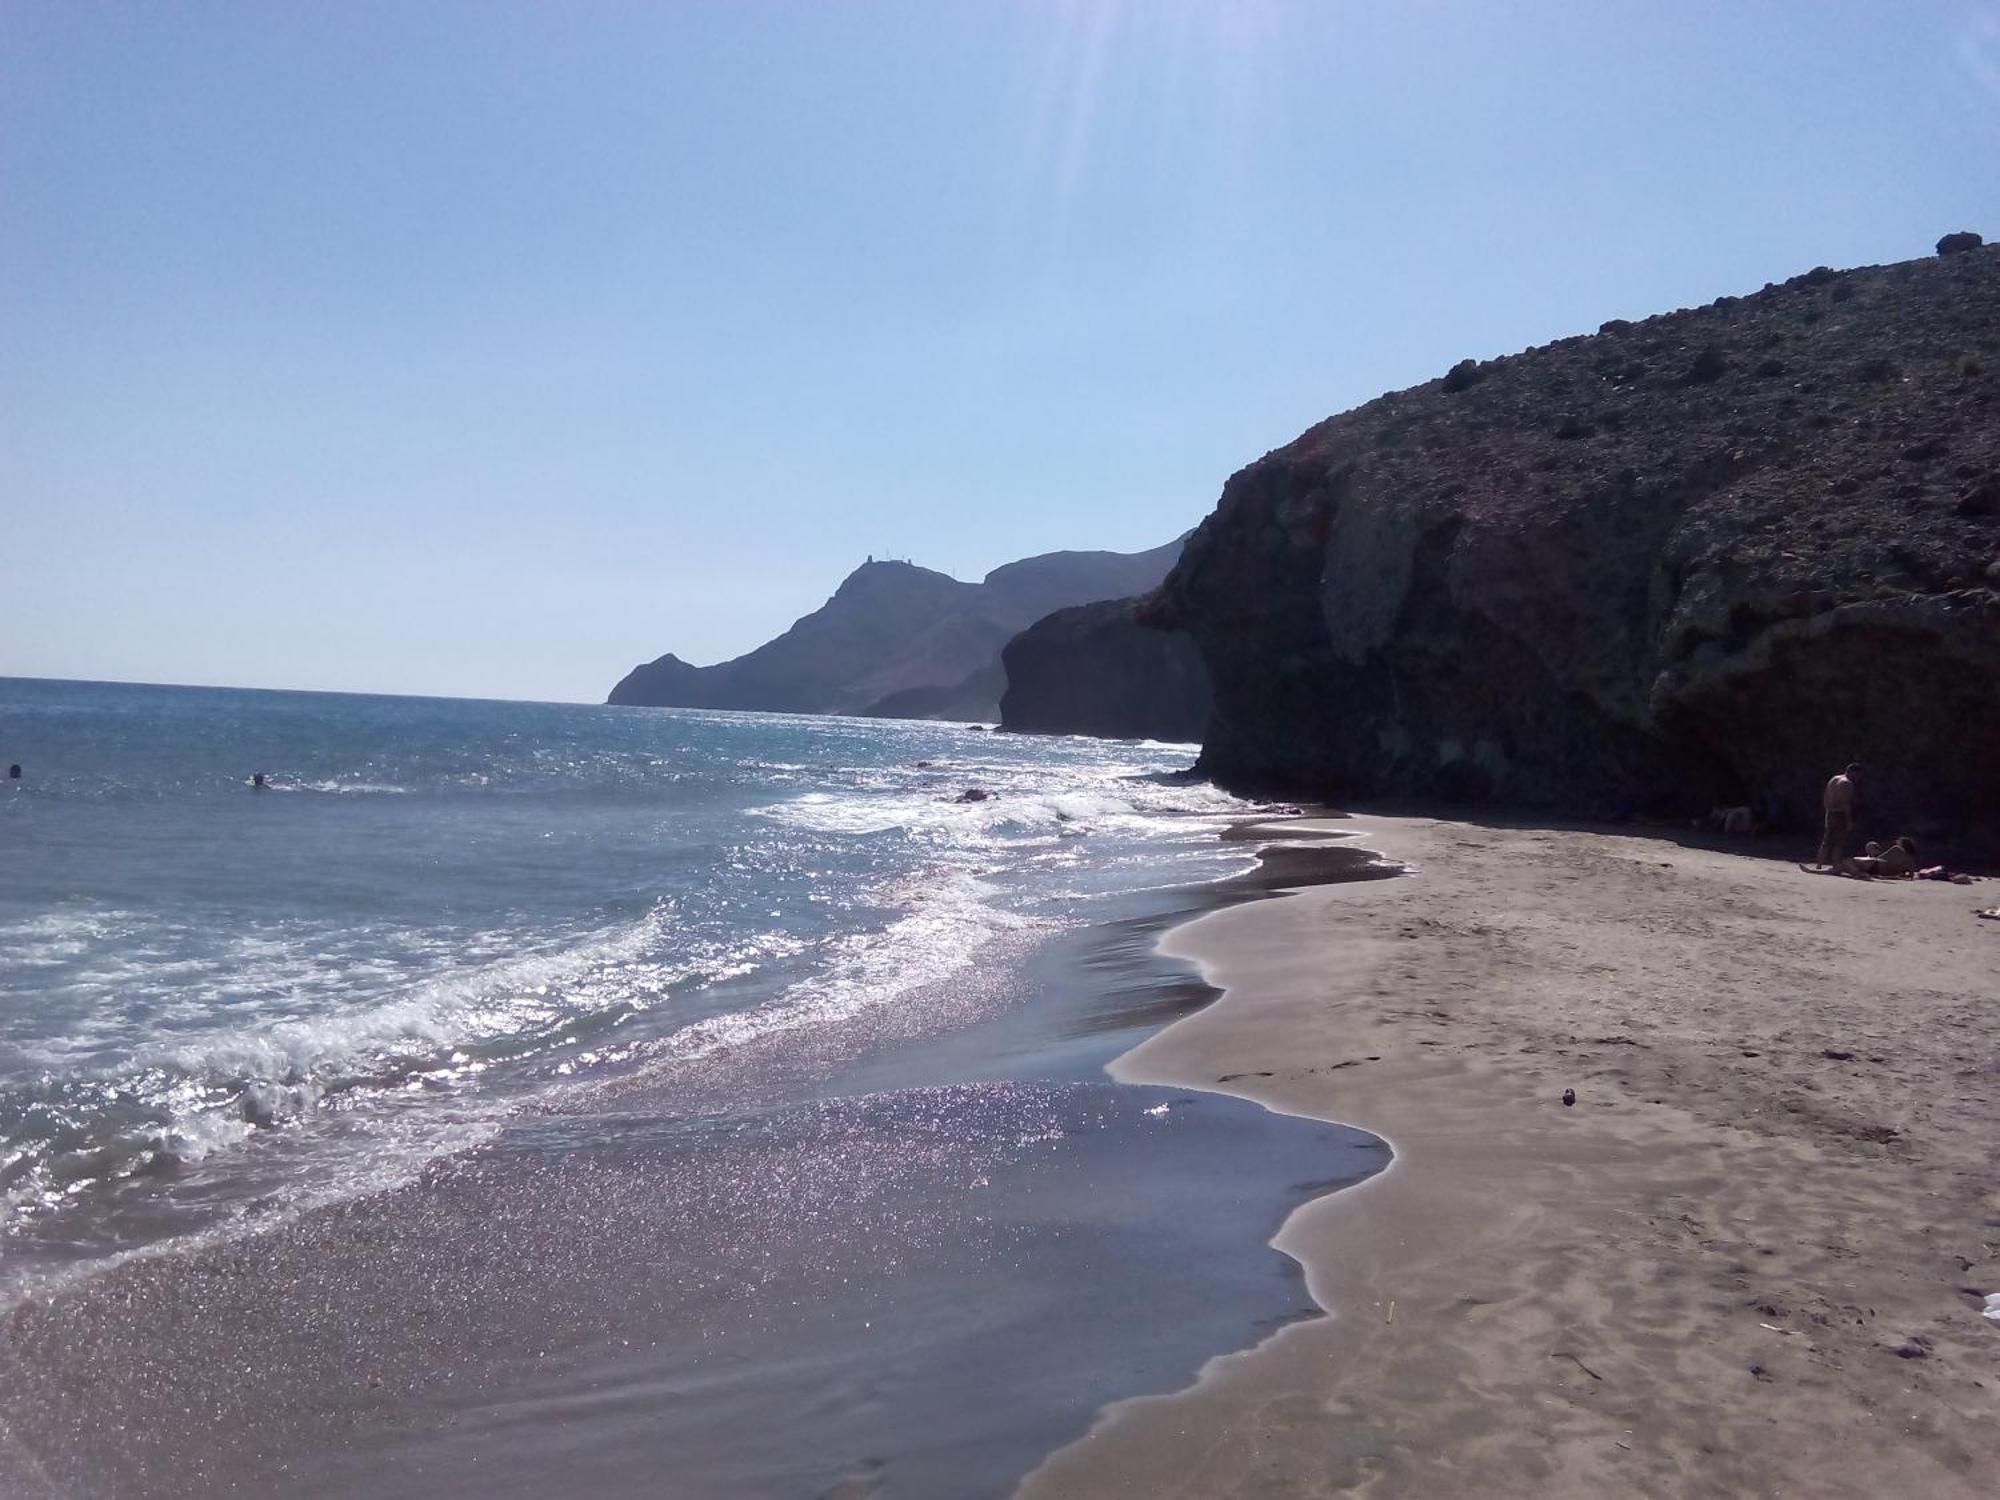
257, 783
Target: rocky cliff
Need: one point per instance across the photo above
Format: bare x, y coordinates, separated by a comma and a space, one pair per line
1095, 670
896, 639
1705, 557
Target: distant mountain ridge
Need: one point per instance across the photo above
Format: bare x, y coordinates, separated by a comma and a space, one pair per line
899, 640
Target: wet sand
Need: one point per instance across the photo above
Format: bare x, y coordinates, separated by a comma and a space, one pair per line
1748, 1261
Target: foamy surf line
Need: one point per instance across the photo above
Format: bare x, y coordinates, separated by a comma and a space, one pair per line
940, 934
340, 788
312, 1111
196, 1105
188, 1105
910, 1184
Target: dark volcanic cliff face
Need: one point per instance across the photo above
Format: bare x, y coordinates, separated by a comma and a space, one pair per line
1705, 557
1095, 670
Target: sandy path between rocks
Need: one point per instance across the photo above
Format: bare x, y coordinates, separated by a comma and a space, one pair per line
1747, 1262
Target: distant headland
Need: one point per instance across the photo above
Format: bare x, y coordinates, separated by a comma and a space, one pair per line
901, 641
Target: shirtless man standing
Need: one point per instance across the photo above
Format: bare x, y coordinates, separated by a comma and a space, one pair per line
1839, 804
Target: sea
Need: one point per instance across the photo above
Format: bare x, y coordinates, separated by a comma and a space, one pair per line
512, 1098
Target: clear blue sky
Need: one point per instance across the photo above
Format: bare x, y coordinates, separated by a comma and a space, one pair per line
489, 348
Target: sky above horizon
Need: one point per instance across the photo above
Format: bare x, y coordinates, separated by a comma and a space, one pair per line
486, 349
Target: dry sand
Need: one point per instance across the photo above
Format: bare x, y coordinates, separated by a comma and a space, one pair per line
1747, 1262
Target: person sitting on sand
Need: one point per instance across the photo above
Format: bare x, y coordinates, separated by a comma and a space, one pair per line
1897, 862
1861, 866
1838, 800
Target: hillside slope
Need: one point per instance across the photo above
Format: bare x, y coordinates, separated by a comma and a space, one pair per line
1705, 557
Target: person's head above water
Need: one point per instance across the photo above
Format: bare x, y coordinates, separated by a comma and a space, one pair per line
14, 772
257, 779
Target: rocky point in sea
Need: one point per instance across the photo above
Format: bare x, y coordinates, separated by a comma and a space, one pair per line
1707, 556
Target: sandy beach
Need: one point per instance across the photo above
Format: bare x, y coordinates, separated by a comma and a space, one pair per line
1748, 1261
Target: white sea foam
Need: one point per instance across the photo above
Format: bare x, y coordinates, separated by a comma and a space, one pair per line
514, 998
186, 1102
344, 788
1021, 803
51, 938
949, 918
299, 1012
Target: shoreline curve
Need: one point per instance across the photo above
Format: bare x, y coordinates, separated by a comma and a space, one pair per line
1738, 1266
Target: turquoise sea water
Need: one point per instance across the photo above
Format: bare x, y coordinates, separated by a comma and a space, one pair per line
225, 1004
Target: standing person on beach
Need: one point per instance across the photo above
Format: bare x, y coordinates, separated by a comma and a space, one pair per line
1838, 800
